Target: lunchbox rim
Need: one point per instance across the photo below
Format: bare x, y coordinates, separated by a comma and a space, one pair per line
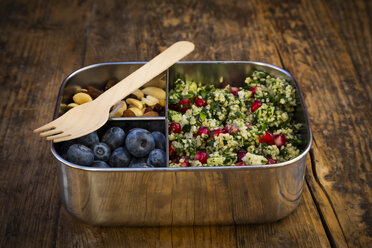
189, 169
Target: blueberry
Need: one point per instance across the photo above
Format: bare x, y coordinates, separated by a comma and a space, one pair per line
114, 137
136, 160
101, 152
120, 157
89, 140
140, 165
80, 154
157, 158
136, 128
100, 164
159, 140
63, 146
139, 142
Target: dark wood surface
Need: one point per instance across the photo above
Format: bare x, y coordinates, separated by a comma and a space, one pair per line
325, 45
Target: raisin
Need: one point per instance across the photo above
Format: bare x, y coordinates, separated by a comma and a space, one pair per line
94, 92
158, 108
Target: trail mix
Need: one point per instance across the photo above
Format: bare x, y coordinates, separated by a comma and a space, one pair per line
148, 102
227, 126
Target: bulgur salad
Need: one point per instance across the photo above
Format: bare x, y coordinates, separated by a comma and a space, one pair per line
233, 126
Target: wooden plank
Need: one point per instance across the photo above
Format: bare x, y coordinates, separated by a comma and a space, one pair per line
74, 233
352, 20
339, 109
222, 31
324, 206
302, 228
40, 43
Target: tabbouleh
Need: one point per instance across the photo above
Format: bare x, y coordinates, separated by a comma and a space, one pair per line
250, 125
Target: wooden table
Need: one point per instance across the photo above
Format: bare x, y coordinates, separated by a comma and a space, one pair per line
326, 45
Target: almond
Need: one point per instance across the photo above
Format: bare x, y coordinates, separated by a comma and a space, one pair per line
151, 114
129, 113
154, 92
135, 103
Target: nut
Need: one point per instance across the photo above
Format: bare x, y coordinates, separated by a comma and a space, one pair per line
129, 113
69, 91
162, 102
72, 105
151, 114
111, 83
136, 111
94, 92
81, 98
154, 92
82, 91
147, 109
150, 101
118, 109
138, 93
135, 103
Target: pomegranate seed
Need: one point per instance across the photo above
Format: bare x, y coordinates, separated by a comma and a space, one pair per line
172, 152
203, 130
255, 105
184, 161
199, 102
253, 90
217, 132
279, 140
267, 138
184, 105
271, 161
241, 156
175, 128
201, 157
234, 91
240, 164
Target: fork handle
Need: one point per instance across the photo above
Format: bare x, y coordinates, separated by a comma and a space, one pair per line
146, 72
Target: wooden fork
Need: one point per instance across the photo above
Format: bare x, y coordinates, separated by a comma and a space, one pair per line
90, 116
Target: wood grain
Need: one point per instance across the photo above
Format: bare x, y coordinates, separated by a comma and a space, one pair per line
325, 45
302, 228
40, 43
339, 108
352, 21
326, 211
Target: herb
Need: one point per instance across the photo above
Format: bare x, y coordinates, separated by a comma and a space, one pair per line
188, 96
202, 116
186, 128
173, 101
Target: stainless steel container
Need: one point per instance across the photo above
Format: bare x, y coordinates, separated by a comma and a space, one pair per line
181, 196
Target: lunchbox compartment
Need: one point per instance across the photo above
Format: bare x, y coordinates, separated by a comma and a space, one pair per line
222, 73
150, 124
96, 76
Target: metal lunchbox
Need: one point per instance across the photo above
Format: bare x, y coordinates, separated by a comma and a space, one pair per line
180, 196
